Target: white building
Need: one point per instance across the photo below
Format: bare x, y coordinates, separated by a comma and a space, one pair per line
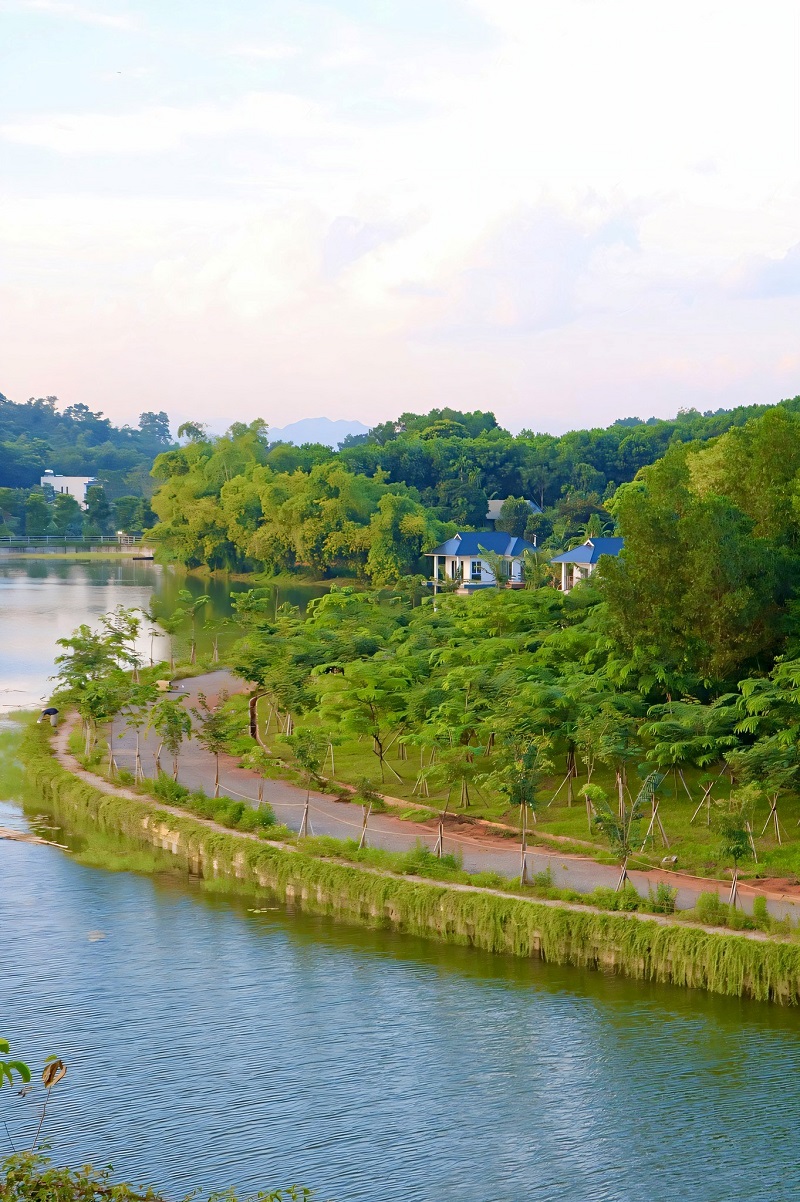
579, 563
462, 558
73, 486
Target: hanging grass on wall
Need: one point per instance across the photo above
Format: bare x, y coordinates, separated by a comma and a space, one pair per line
666, 951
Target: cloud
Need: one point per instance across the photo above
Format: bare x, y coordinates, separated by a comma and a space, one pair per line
349, 239
762, 278
67, 11
525, 275
273, 52
163, 128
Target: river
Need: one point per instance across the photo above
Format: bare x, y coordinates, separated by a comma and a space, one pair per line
210, 1045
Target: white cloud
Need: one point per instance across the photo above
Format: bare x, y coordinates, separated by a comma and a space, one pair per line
271, 52
68, 11
163, 128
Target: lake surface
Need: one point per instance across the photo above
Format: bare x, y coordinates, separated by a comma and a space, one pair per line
212, 1046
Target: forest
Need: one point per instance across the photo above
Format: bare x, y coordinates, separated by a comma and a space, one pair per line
35, 436
679, 661
242, 503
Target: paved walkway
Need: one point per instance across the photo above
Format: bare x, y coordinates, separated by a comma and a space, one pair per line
479, 848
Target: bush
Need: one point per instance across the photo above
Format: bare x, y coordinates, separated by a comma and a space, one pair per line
663, 900
761, 915
169, 790
31, 1177
710, 910
604, 898
125, 777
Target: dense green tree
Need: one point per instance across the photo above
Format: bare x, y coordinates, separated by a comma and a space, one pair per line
98, 515
37, 515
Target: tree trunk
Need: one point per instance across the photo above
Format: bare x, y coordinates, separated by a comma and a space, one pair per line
216, 774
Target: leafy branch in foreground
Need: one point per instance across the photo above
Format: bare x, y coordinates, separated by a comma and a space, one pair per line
31, 1177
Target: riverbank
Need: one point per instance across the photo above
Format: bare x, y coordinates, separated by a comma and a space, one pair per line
642, 947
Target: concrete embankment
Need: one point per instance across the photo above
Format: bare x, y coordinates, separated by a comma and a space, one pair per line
643, 947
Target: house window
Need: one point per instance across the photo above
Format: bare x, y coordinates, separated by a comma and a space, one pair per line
475, 570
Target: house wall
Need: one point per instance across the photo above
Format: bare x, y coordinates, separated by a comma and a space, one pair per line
74, 486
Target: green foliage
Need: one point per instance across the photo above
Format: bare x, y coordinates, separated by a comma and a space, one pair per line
662, 899
32, 1177
9, 1067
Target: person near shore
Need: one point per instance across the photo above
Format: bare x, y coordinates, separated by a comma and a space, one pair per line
52, 713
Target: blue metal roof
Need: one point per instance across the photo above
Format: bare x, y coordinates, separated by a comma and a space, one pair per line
590, 551
470, 543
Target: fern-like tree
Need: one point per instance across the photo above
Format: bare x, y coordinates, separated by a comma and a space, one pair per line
620, 827
172, 724
192, 606
309, 747
212, 729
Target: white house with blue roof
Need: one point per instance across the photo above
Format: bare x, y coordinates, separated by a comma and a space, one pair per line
579, 563
461, 558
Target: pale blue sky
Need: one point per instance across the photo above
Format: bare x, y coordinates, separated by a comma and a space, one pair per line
564, 212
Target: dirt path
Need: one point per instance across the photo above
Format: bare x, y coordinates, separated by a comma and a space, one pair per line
481, 850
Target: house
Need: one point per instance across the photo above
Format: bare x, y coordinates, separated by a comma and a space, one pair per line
497, 503
73, 486
461, 558
579, 563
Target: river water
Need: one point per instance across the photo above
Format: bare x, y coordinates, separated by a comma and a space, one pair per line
211, 1045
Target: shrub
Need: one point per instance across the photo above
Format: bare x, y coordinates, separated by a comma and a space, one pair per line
31, 1177
761, 915
663, 900
229, 811
170, 790
125, 777
604, 898
710, 910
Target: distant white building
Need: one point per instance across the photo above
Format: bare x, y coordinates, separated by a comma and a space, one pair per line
73, 486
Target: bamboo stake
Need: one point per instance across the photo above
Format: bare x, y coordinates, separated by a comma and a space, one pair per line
523, 874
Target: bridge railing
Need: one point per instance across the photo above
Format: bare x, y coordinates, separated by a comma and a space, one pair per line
59, 540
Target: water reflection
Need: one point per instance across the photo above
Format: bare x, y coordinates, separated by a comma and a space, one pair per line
42, 600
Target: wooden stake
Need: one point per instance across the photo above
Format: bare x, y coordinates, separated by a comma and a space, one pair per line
366, 812
773, 817
655, 821
734, 893
305, 825
683, 782
749, 830
567, 780
704, 801
523, 872
623, 876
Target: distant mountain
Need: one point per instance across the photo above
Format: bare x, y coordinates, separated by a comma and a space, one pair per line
316, 429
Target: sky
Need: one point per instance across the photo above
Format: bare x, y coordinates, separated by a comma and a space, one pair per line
563, 212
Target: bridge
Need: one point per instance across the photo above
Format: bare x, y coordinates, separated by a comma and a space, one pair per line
130, 544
